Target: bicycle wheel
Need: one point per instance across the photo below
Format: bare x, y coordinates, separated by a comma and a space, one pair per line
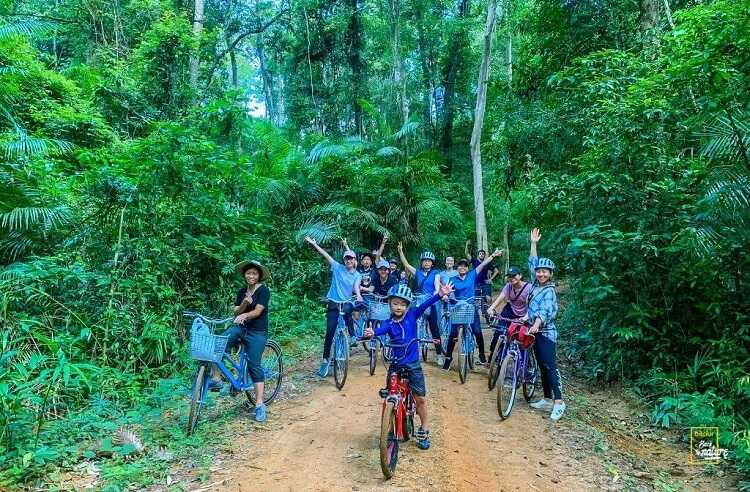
200, 386
341, 361
372, 353
388, 440
463, 355
470, 349
409, 418
506, 386
494, 366
531, 376
272, 363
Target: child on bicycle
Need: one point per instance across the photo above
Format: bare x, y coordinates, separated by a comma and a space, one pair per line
402, 329
542, 311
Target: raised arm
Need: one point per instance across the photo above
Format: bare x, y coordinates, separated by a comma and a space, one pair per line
535, 237
495, 254
379, 252
407, 266
467, 249
312, 242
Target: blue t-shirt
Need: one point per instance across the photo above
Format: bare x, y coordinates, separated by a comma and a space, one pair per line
445, 276
425, 283
464, 289
342, 283
404, 332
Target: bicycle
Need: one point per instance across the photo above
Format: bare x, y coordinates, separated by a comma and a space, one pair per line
422, 325
462, 313
518, 368
378, 310
498, 354
361, 322
210, 350
340, 348
397, 417
445, 323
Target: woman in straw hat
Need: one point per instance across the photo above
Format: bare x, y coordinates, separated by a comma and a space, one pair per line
250, 327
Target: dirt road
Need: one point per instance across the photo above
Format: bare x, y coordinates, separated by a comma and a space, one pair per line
327, 440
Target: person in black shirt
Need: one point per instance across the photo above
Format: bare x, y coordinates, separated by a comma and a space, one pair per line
250, 327
383, 281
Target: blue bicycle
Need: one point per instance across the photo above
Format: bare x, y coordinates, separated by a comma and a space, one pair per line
378, 311
422, 327
462, 314
340, 348
210, 350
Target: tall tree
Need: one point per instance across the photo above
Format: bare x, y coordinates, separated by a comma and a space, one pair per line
394, 16
197, 28
355, 62
476, 134
455, 62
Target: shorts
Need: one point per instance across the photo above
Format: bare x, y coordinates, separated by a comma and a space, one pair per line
486, 290
415, 375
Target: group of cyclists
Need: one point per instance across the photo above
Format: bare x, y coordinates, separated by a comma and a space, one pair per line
534, 302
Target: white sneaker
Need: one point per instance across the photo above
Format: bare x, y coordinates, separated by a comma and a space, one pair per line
557, 411
542, 404
440, 360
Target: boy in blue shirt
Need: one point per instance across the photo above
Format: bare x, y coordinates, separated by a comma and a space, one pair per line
402, 329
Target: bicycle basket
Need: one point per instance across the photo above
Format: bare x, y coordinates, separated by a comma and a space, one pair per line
462, 313
204, 345
379, 311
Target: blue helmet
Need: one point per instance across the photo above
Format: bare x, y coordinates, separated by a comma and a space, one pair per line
401, 291
545, 263
427, 255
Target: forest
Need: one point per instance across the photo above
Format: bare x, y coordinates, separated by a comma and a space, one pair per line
147, 146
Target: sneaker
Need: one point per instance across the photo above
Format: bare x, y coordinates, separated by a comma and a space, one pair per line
447, 363
324, 366
542, 405
260, 413
423, 438
440, 359
215, 385
353, 342
557, 411
482, 359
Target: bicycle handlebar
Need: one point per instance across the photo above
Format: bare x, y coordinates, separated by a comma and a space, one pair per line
211, 321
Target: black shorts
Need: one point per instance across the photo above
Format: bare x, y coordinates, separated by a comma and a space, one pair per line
486, 290
415, 375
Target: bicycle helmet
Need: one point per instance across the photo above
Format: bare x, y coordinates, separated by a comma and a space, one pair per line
381, 264
401, 291
427, 255
545, 263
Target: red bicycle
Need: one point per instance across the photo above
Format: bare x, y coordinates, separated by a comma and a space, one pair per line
397, 418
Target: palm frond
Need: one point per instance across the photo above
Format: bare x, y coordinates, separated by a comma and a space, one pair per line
325, 149
25, 145
24, 218
726, 136
319, 230
409, 128
24, 28
388, 152
14, 246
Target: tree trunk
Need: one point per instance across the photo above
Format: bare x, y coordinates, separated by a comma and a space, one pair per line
232, 60
427, 79
394, 13
455, 63
197, 28
267, 80
476, 134
509, 58
649, 19
355, 63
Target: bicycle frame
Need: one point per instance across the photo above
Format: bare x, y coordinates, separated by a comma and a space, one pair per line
241, 383
398, 393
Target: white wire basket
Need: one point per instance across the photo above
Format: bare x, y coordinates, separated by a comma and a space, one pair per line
462, 313
379, 311
204, 345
